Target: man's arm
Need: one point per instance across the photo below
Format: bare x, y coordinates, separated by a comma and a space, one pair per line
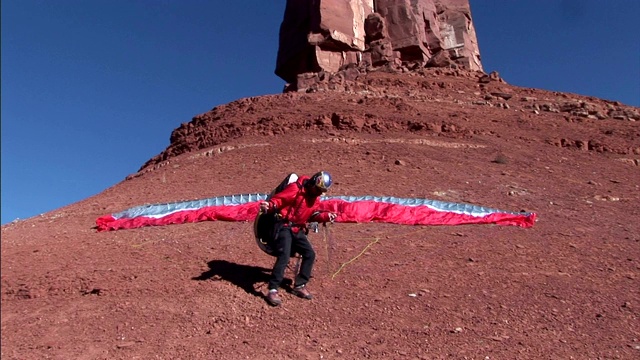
281, 199
323, 216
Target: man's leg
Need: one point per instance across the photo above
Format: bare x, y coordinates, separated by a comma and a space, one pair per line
303, 247
283, 253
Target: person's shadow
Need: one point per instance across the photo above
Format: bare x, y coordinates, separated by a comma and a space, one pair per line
243, 276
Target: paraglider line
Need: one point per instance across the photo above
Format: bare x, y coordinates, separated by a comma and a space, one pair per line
328, 243
375, 240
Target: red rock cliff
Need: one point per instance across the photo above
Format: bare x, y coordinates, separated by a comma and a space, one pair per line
327, 35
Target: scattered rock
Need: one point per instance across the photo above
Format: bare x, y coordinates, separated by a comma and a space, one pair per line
503, 95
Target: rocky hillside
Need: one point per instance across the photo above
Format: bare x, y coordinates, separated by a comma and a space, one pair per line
421, 102
566, 288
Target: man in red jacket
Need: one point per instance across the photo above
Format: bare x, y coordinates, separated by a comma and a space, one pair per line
296, 205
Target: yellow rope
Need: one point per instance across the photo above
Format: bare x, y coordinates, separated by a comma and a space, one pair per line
355, 258
143, 243
375, 240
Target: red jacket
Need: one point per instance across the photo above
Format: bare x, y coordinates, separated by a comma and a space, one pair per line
296, 205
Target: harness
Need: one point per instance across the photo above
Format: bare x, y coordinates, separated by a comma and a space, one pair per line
266, 226
296, 227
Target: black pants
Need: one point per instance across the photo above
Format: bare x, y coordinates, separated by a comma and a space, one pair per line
286, 244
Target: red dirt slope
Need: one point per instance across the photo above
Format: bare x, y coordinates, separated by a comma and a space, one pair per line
567, 288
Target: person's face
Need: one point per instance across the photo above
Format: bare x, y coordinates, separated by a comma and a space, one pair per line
315, 191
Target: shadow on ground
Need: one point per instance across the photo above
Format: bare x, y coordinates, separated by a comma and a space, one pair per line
243, 276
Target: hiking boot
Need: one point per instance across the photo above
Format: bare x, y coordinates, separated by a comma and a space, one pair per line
273, 299
302, 292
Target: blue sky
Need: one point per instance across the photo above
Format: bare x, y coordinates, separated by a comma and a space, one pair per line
92, 89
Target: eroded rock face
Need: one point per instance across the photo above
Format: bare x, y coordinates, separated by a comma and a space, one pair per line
327, 35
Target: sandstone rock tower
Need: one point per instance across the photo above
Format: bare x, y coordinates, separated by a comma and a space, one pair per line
327, 35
